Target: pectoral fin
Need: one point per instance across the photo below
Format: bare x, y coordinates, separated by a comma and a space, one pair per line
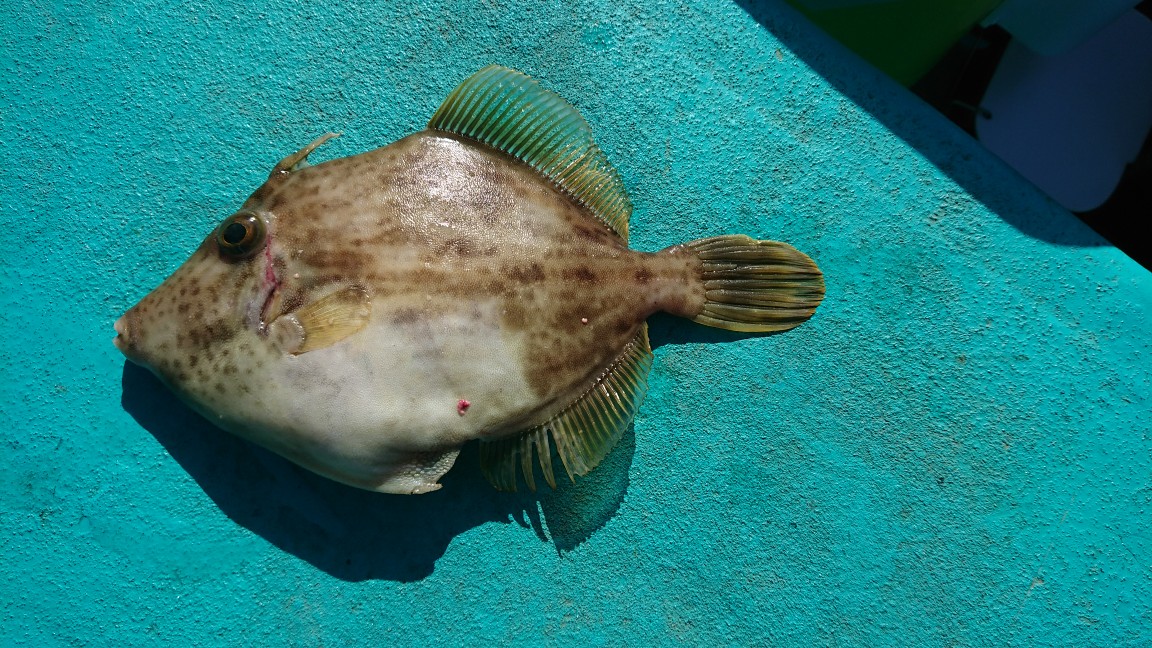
323, 322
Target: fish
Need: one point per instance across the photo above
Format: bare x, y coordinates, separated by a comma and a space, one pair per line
368, 316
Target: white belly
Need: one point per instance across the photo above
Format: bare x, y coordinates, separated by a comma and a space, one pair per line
400, 387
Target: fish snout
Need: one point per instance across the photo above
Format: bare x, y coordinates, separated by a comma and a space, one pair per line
126, 335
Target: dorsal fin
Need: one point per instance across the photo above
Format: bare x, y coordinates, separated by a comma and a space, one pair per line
584, 433
509, 111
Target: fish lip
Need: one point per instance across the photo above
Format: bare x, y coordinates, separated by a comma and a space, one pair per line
122, 341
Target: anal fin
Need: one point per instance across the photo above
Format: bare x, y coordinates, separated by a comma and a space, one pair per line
584, 432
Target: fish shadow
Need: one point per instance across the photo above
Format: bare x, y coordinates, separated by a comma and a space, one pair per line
358, 535
668, 329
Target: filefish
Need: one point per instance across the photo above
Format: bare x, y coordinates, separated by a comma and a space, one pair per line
367, 316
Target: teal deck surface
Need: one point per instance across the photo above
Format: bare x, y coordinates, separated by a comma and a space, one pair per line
956, 450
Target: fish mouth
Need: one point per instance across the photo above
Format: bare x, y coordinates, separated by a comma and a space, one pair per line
123, 340
121, 328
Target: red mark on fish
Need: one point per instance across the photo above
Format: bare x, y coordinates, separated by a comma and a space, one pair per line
269, 267
462, 406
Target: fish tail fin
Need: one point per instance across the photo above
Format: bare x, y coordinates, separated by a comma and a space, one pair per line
755, 286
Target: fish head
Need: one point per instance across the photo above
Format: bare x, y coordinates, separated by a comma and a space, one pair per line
213, 317
213, 312
277, 279
274, 280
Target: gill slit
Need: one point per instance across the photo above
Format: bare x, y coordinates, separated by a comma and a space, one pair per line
271, 288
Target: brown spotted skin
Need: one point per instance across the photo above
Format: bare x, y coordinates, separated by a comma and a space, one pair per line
486, 285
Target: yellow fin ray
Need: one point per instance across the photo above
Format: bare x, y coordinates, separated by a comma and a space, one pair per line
327, 320
755, 286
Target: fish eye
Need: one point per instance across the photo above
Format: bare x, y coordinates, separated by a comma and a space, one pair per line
240, 234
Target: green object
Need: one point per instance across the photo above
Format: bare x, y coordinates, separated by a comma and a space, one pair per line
904, 38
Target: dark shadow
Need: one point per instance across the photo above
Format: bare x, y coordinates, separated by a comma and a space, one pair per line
353, 534
669, 329
826, 57
576, 510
